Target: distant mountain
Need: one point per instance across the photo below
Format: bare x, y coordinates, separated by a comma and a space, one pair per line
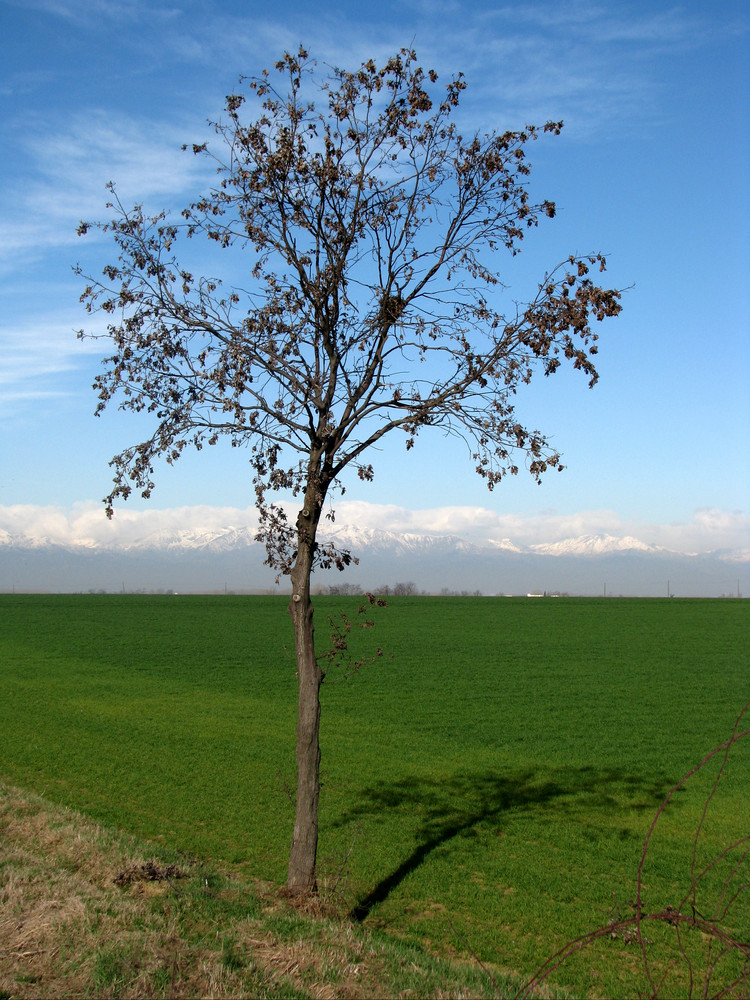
395, 543
195, 560
594, 545
214, 540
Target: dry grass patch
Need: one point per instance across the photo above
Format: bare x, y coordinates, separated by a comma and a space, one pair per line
67, 929
86, 911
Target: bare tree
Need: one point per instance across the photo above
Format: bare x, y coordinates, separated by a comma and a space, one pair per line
372, 232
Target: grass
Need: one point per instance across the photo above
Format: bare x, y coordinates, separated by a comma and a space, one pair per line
70, 927
487, 785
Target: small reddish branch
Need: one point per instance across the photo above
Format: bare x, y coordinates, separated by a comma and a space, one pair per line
631, 928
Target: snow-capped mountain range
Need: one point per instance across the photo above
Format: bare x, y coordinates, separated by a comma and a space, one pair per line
595, 545
229, 557
355, 539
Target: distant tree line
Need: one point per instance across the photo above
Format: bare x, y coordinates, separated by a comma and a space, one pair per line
401, 589
384, 590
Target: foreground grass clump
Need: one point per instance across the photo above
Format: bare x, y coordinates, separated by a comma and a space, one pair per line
87, 911
488, 784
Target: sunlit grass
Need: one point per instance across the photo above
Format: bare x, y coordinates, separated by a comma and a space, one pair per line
76, 920
489, 781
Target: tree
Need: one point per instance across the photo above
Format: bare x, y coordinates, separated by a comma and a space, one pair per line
372, 232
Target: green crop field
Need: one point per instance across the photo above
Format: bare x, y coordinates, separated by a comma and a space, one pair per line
487, 784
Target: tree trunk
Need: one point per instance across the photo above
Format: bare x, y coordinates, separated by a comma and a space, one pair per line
302, 857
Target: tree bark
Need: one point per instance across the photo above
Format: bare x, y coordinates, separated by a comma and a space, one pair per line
302, 856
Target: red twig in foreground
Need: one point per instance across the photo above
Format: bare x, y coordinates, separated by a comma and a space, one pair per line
685, 916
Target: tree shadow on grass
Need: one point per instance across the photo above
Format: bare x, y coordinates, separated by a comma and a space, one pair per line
456, 806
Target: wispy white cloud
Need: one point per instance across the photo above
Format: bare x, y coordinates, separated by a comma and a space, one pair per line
38, 348
68, 170
595, 68
528, 62
591, 63
94, 11
594, 21
35, 352
19, 84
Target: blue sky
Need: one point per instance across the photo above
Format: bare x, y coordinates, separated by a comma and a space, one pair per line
652, 168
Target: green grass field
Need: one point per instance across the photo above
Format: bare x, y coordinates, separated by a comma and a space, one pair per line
486, 784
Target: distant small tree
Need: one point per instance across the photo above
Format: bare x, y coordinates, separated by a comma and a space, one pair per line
372, 232
344, 589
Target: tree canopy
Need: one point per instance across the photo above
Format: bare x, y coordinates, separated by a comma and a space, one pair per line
373, 235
